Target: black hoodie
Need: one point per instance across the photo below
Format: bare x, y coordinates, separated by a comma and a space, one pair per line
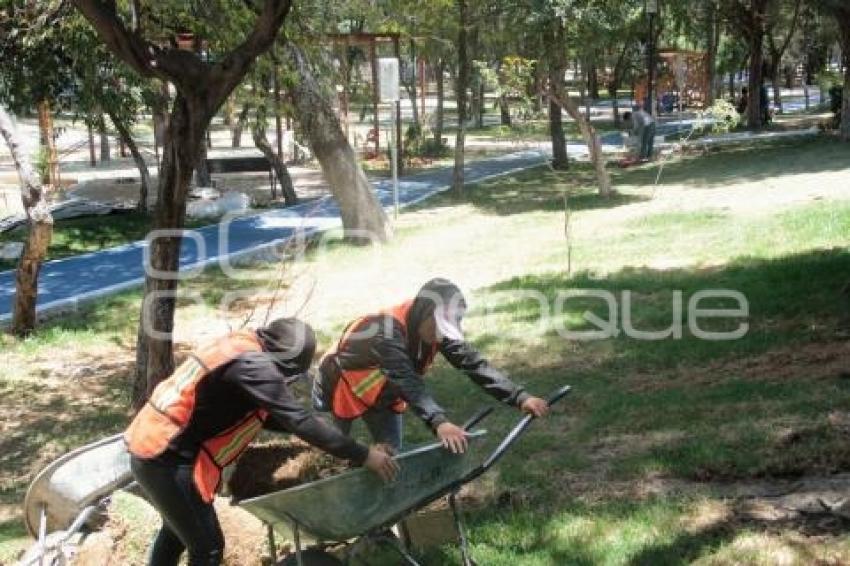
258, 380
401, 356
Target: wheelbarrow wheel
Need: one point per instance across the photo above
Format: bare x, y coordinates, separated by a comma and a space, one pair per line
312, 557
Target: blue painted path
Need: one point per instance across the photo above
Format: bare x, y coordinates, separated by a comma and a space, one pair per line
66, 283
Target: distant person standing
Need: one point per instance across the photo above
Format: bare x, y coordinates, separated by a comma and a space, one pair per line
642, 125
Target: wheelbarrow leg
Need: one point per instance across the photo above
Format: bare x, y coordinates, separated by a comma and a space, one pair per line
272, 545
296, 535
399, 547
461, 532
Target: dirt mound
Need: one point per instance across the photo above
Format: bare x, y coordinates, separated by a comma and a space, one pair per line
276, 465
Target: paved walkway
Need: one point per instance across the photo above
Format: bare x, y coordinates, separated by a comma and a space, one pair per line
66, 283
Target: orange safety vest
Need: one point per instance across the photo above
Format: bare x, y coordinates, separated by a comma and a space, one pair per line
169, 410
359, 389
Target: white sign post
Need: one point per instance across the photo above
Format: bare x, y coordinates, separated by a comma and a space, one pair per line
388, 88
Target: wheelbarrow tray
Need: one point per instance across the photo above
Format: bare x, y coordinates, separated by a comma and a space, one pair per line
347, 505
78, 479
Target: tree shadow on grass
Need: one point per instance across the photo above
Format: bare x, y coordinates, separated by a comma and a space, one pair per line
789, 298
535, 190
748, 162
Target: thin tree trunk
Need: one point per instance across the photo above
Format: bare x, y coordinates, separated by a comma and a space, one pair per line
45, 124
756, 41
411, 88
557, 68
777, 88
238, 124
616, 79
460, 93
845, 99
594, 146
202, 169
711, 56
842, 17
105, 152
258, 132
362, 216
38, 238
144, 175
441, 96
592, 78
504, 110
92, 151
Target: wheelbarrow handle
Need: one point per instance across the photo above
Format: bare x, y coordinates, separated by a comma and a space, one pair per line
479, 416
517, 431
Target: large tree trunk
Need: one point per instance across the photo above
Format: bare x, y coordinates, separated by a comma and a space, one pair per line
201, 90
40, 231
441, 97
594, 146
557, 68
154, 352
362, 216
460, 94
258, 132
144, 175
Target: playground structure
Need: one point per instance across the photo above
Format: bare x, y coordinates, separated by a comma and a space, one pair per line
682, 80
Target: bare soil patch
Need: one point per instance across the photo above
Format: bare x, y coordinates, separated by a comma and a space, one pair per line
274, 466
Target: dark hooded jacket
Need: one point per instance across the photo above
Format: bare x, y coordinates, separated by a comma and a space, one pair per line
401, 356
258, 380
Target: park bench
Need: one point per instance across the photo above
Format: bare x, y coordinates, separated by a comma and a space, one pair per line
248, 164
238, 165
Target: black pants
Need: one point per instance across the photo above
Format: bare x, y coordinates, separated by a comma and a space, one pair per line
187, 521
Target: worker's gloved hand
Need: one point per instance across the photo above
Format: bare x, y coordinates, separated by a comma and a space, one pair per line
381, 463
535, 406
453, 437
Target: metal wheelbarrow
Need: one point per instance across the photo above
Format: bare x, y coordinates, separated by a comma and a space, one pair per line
355, 506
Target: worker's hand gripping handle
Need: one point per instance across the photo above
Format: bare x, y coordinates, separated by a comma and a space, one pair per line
512, 436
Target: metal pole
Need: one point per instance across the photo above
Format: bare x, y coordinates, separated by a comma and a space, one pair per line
398, 139
394, 155
373, 61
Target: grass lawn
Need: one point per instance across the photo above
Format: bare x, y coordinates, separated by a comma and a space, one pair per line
663, 448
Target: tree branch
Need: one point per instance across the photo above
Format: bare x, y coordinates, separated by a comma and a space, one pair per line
149, 60
227, 74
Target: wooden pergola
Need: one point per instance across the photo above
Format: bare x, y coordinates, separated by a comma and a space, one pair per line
694, 91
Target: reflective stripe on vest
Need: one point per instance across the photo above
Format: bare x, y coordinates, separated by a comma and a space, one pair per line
169, 410
222, 450
359, 389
